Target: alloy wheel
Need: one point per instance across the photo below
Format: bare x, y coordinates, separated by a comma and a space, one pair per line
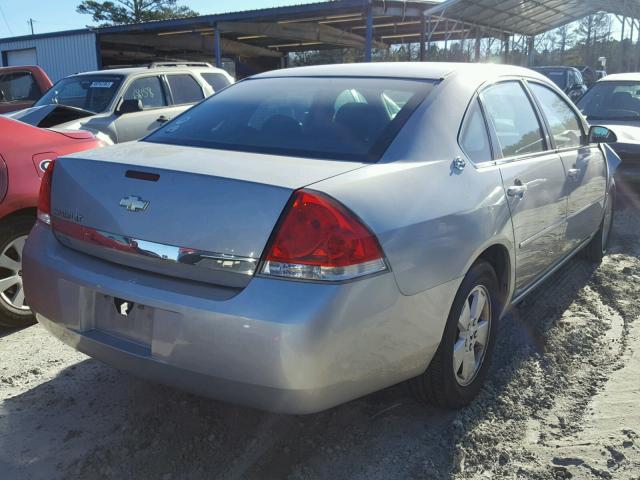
473, 330
11, 289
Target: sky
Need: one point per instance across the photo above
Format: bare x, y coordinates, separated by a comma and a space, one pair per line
56, 15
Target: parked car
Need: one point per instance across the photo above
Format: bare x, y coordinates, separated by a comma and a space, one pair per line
127, 103
25, 153
569, 79
614, 102
296, 250
20, 87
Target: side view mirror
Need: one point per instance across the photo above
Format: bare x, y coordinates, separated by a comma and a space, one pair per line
598, 134
129, 106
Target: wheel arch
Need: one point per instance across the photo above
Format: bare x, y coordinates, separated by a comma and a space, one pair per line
23, 212
498, 256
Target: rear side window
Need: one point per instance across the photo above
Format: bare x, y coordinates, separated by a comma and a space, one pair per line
474, 139
563, 122
184, 89
513, 118
346, 118
148, 90
18, 86
217, 81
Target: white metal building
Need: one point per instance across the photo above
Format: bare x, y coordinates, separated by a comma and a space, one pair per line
60, 54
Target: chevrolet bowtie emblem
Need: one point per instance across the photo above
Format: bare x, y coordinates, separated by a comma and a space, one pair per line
134, 204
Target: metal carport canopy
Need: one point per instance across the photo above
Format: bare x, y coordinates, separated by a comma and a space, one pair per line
528, 17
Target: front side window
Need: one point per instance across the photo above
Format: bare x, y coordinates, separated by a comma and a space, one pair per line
563, 122
88, 92
513, 118
18, 87
184, 89
474, 139
148, 90
612, 101
344, 118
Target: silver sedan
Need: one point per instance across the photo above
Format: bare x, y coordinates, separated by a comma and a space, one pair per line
311, 235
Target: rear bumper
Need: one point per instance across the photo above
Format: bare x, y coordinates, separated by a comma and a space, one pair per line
277, 345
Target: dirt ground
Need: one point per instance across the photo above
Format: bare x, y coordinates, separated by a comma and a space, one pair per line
562, 401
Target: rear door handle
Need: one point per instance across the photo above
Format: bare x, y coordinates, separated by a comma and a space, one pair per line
162, 119
574, 173
516, 191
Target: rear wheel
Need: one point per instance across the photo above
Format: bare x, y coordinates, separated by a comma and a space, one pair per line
597, 247
460, 364
14, 311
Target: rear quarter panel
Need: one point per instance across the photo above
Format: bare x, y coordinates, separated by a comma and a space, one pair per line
23, 172
432, 221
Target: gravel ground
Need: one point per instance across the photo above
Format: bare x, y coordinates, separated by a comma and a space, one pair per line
561, 402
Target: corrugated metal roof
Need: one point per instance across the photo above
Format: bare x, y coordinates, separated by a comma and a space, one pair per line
529, 17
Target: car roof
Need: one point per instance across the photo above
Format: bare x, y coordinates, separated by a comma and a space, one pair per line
621, 77
128, 71
411, 70
561, 67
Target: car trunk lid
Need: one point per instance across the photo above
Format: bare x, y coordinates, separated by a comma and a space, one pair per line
199, 214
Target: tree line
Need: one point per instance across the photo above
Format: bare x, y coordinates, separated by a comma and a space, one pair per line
582, 42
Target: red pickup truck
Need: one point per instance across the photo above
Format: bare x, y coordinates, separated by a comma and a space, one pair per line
20, 87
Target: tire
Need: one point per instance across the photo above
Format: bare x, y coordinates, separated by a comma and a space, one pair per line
13, 232
441, 384
596, 249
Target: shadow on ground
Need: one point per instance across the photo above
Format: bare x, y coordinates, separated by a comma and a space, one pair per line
6, 331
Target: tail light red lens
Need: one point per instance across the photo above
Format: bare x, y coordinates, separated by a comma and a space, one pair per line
44, 199
319, 239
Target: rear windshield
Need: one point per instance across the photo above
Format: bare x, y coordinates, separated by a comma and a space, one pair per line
88, 92
342, 118
559, 77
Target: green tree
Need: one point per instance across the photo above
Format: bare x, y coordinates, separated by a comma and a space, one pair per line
133, 11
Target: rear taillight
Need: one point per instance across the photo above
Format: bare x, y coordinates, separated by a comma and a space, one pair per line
319, 239
44, 199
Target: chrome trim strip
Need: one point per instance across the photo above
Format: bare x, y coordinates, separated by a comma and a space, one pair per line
156, 251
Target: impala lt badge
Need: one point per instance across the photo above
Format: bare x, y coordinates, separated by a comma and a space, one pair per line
134, 204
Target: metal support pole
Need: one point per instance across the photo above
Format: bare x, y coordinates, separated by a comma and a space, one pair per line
216, 47
369, 34
531, 51
423, 38
505, 43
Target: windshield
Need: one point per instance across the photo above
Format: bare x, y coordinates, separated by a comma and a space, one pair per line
559, 77
88, 92
612, 101
334, 118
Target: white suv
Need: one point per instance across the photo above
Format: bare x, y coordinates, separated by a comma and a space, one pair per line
125, 104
